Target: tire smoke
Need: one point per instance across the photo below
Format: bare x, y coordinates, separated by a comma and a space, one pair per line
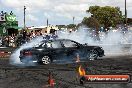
15, 60
113, 42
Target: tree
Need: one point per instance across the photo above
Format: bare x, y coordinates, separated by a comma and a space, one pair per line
92, 10
91, 22
106, 16
71, 26
129, 21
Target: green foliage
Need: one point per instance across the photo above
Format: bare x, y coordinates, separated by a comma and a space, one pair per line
107, 16
71, 26
93, 9
91, 22
61, 26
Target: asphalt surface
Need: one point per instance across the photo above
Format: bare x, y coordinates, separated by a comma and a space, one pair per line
65, 75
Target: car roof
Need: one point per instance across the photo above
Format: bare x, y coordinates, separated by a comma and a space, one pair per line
57, 40
62, 40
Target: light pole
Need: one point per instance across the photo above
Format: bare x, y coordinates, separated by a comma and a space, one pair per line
47, 22
125, 14
73, 19
24, 17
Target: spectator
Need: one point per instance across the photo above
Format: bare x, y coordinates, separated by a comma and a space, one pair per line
24, 34
0, 41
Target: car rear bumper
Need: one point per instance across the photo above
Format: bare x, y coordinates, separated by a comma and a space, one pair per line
26, 59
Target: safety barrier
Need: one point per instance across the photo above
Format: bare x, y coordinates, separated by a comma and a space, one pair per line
5, 52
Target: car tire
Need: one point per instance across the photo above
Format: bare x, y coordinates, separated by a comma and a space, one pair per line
93, 54
46, 60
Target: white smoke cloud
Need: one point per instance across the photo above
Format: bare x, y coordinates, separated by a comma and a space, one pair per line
14, 59
113, 43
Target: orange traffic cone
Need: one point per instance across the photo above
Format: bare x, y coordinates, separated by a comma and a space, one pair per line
51, 81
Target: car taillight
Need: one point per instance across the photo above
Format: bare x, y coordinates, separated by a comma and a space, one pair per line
27, 53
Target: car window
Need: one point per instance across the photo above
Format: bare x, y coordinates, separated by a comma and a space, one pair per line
56, 44
53, 44
69, 44
38, 44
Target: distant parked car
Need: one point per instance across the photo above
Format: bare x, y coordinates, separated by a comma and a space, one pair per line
49, 51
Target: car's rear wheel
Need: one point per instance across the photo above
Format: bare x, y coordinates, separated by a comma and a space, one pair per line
46, 60
93, 54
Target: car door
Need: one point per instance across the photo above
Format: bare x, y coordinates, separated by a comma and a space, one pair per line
73, 49
56, 50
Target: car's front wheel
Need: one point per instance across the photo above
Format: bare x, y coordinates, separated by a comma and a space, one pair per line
46, 60
93, 54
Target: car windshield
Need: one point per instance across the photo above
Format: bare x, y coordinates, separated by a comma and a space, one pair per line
52, 44
38, 44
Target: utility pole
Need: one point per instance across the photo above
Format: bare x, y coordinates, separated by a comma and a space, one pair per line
73, 19
125, 14
24, 17
47, 22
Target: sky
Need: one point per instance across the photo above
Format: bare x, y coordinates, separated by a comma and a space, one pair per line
58, 12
